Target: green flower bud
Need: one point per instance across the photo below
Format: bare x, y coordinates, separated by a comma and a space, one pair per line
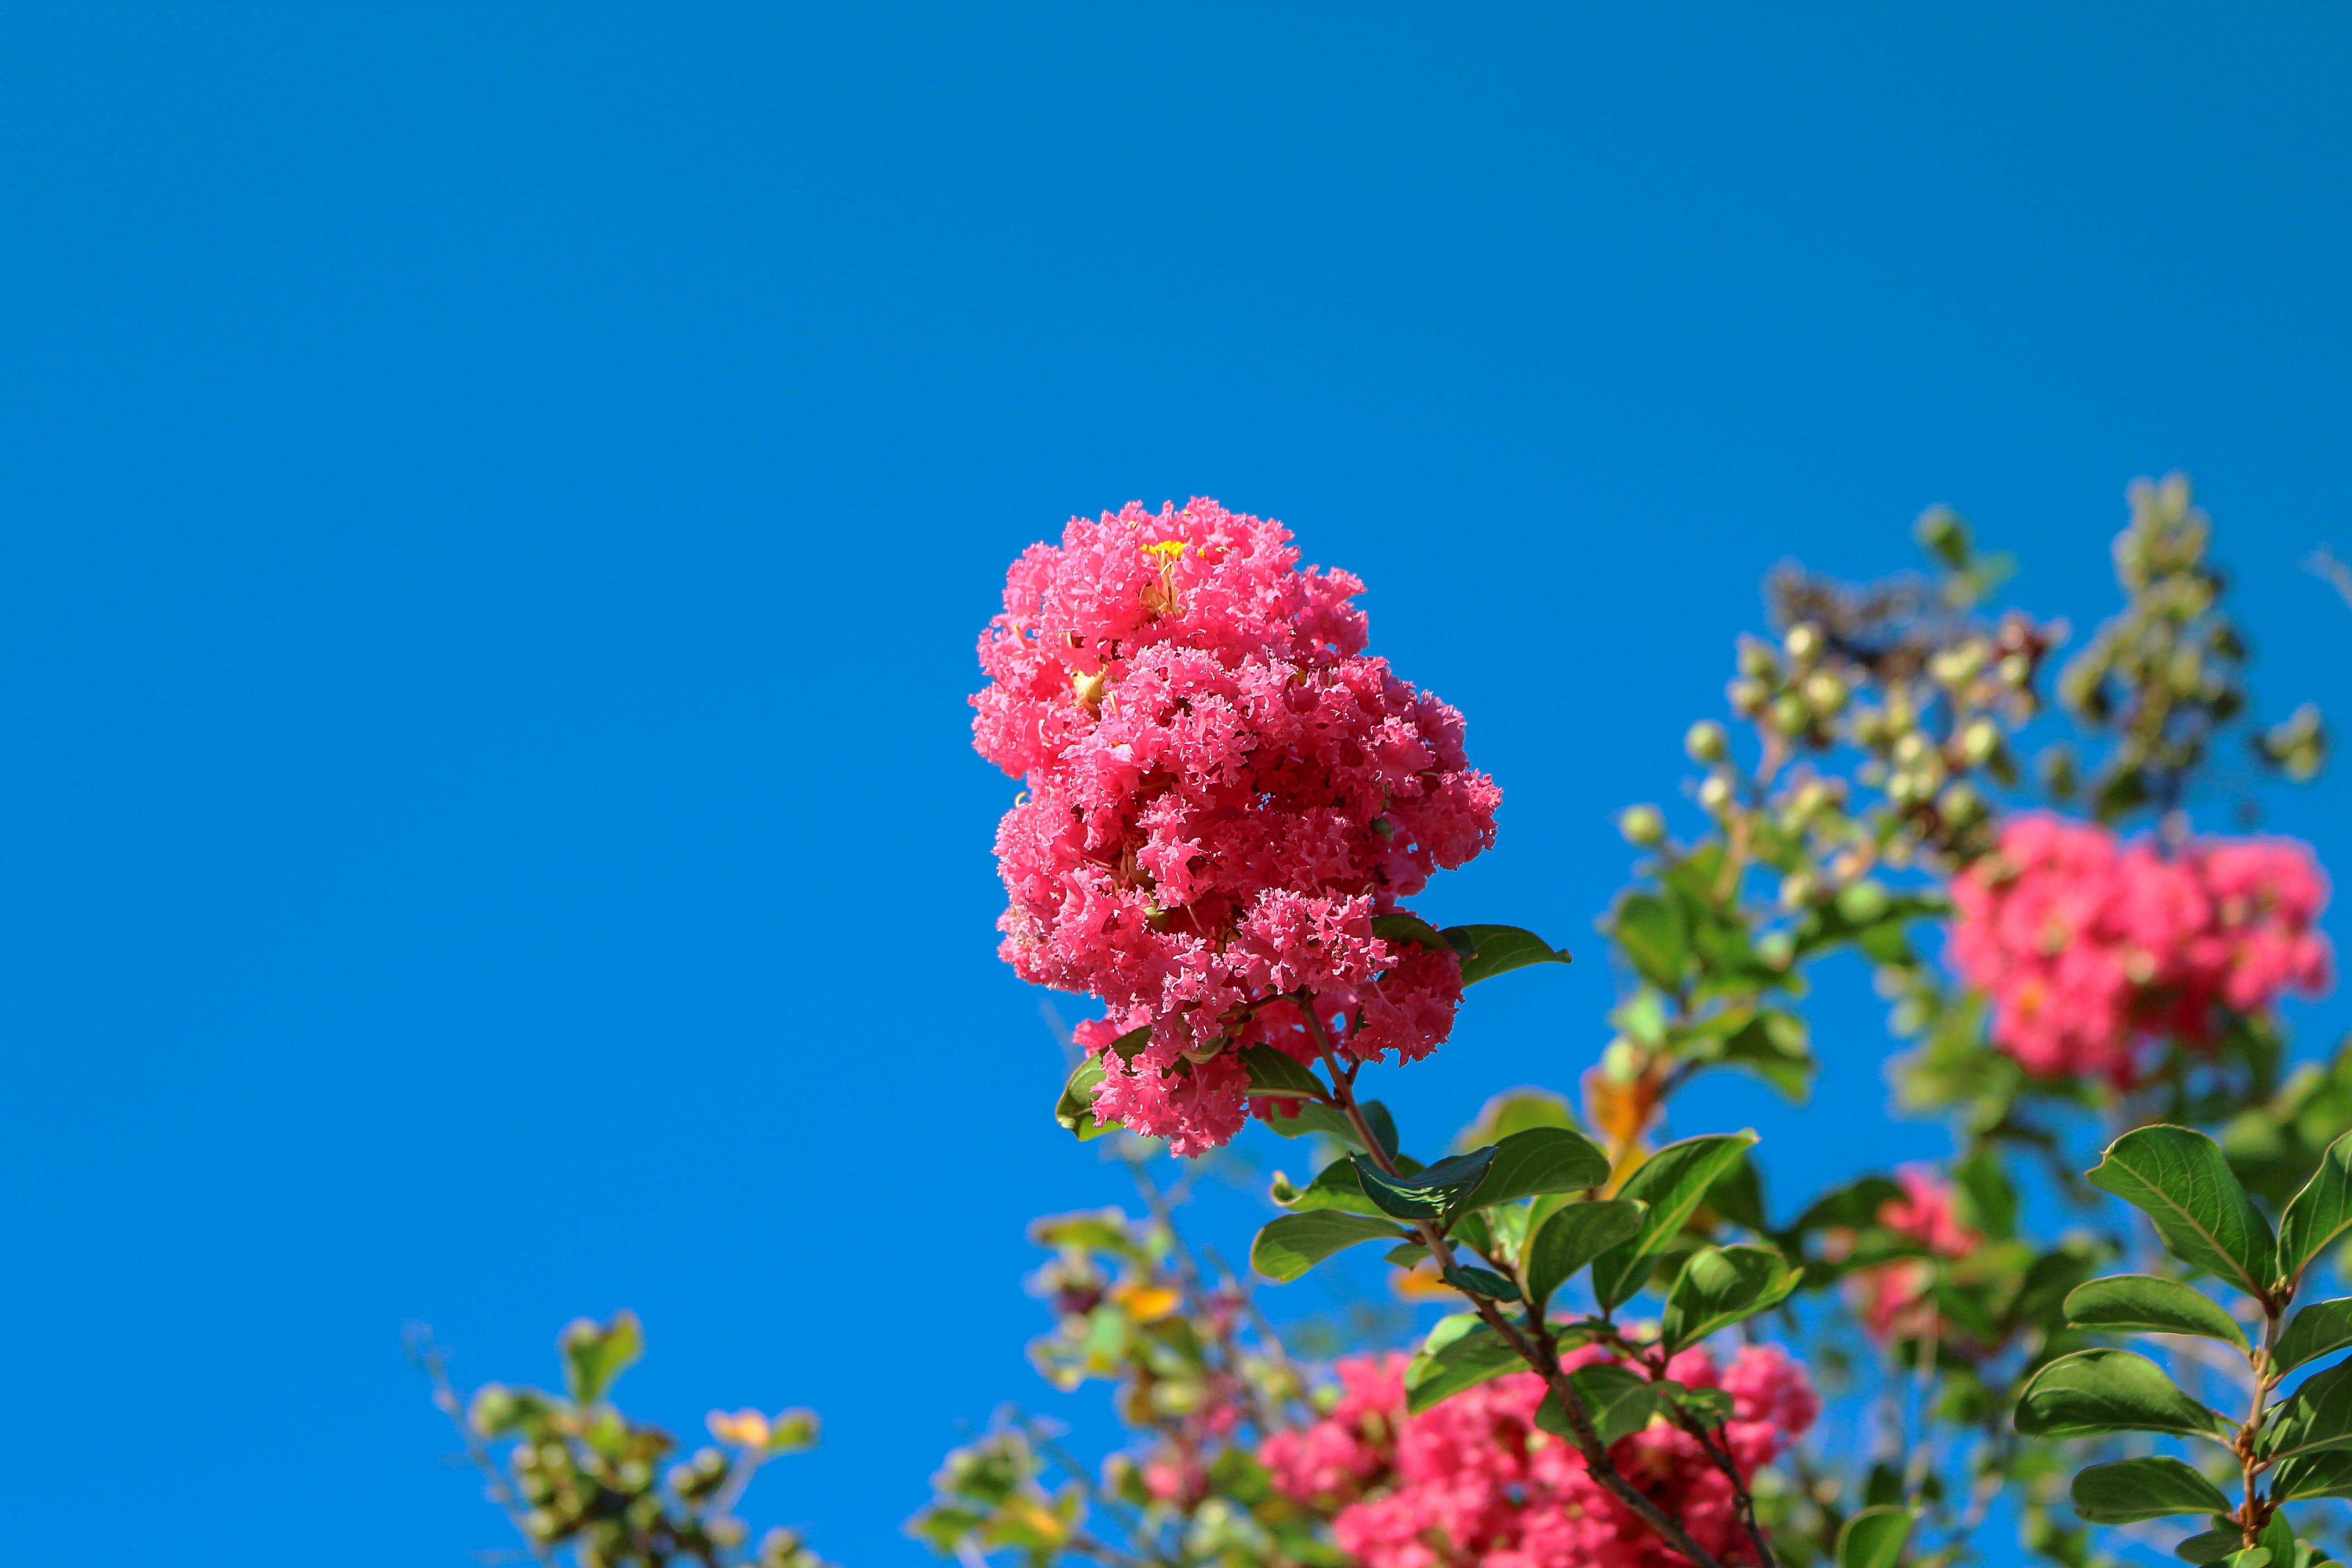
1747, 697
1960, 804
1863, 901
1706, 743
1790, 715
1758, 662
2015, 670
1714, 794
1643, 826
1824, 693
1797, 890
1803, 643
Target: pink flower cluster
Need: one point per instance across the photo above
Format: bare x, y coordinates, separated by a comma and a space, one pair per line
2090, 948
1224, 789
1895, 1299
1473, 1483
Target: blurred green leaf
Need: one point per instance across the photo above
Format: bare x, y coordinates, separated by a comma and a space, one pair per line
1075, 1110
1333, 1122
1335, 1188
595, 1353
1875, 1538
1402, 928
1773, 1045
2211, 1546
1654, 938
1460, 1352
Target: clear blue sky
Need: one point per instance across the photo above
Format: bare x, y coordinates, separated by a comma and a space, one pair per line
500, 501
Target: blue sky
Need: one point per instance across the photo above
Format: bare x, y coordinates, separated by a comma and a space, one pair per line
500, 500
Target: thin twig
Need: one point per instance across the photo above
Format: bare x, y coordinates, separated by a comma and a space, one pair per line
434, 1362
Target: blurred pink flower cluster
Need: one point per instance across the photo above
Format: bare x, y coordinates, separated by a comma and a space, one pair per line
1223, 791
2090, 947
1895, 1299
1474, 1482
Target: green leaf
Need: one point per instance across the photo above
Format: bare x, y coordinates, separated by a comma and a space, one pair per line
1719, 1287
2321, 1329
1290, 1246
1278, 1074
1514, 1111
1397, 927
2324, 1473
1574, 1237
1489, 950
2317, 1418
2182, 1181
1539, 1161
1482, 1282
2098, 1391
1432, 1193
1330, 1120
2134, 1490
1673, 1183
1875, 1537
1773, 1045
1708, 1406
2320, 1213
1076, 1111
1336, 1187
1619, 1401
1654, 938
2249, 1557
2277, 1538
2210, 1547
2142, 1303
595, 1353
1460, 1352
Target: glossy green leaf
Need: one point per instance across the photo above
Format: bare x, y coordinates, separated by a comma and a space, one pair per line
2180, 1179
2321, 1329
1719, 1287
1335, 1188
2134, 1490
1279, 1075
2327, 1473
2318, 1216
2142, 1303
1310, 1117
2277, 1538
595, 1353
1482, 1282
2248, 1557
1574, 1237
1654, 938
1672, 1184
1619, 1401
1875, 1537
2099, 1391
1498, 949
2316, 1418
2211, 1546
1290, 1246
1460, 1352
1434, 1193
1708, 1406
1540, 1161
1075, 1110
1393, 929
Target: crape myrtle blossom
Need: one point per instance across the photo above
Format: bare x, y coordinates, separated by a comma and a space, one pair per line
2090, 947
1222, 790
1474, 1483
1895, 1299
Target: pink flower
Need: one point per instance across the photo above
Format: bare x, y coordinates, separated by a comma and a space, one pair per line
1224, 790
1895, 1300
1474, 1482
2090, 948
